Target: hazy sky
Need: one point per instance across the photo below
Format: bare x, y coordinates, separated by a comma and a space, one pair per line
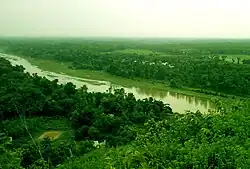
151, 18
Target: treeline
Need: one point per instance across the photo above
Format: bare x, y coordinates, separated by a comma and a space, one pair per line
169, 46
207, 72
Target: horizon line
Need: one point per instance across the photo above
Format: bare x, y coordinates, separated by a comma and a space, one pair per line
123, 37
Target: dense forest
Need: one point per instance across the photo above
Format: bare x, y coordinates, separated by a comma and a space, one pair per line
94, 116
113, 129
198, 65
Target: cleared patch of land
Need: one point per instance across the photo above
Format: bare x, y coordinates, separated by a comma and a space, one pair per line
52, 135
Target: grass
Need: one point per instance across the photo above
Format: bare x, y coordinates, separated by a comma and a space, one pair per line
53, 135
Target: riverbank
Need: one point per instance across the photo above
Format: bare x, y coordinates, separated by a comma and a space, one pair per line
62, 67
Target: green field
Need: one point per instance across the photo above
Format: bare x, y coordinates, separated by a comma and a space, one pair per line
147, 53
137, 51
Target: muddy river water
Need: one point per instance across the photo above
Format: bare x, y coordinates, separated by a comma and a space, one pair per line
179, 102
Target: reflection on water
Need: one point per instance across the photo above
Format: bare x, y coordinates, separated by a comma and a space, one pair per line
179, 102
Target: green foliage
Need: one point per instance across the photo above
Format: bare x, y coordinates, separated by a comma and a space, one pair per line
138, 133
9, 158
106, 116
192, 140
92, 160
85, 146
46, 154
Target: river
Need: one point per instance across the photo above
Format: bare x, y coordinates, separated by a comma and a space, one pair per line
178, 102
